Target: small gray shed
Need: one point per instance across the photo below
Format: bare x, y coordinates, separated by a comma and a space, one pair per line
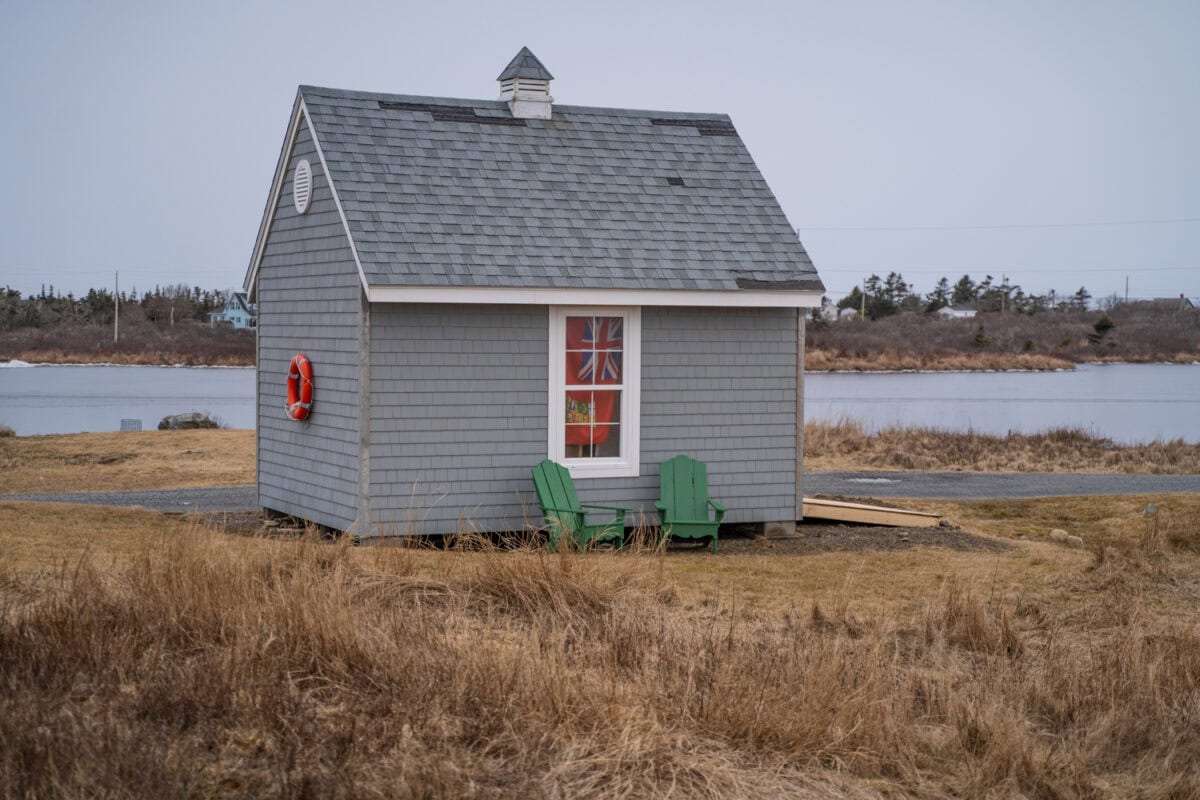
482, 284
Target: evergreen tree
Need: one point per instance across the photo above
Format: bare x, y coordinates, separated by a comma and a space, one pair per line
853, 300
964, 292
1081, 299
940, 296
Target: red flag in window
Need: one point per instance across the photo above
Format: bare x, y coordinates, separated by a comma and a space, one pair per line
596, 360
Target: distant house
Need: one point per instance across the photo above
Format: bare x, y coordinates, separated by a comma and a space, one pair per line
956, 312
482, 284
239, 312
1181, 303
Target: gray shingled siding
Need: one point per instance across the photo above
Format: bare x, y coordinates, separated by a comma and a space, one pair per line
459, 406
458, 414
309, 301
719, 385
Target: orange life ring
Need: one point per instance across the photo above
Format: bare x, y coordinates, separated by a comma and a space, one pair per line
300, 387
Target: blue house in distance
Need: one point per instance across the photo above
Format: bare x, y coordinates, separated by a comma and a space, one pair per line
239, 312
479, 285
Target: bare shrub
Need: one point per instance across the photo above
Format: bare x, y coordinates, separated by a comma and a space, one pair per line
1139, 332
141, 342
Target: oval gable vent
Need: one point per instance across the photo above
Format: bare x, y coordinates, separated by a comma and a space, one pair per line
302, 186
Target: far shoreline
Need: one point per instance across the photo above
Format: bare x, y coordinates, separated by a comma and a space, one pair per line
832, 363
18, 363
997, 370
40, 358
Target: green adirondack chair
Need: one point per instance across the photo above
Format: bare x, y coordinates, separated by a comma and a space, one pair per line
565, 515
683, 509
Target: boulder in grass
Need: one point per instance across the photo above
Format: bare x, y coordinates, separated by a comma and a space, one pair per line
186, 422
1061, 536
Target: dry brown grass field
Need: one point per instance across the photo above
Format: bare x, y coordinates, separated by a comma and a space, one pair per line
144, 656
178, 459
119, 461
149, 656
848, 445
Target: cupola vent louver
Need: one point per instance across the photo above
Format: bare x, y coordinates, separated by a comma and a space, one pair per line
525, 86
302, 186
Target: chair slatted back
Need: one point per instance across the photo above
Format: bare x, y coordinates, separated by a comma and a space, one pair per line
555, 489
683, 484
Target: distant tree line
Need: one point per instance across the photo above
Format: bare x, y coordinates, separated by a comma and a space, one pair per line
164, 305
882, 297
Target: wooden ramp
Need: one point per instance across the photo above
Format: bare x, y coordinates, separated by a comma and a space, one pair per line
868, 515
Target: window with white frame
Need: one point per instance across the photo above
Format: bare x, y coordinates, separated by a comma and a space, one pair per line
595, 368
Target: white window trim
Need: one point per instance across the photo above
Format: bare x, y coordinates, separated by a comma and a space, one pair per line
628, 465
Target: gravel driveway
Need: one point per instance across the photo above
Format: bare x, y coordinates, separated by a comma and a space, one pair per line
921, 485
991, 485
215, 498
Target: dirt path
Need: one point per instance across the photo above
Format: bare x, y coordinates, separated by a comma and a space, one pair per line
992, 485
919, 485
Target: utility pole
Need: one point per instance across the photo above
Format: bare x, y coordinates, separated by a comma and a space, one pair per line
863, 314
116, 306
1126, 290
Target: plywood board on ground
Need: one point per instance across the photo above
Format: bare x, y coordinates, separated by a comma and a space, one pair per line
868, 515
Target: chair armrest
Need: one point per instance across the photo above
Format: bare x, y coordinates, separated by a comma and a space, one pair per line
563, 510
618, 512
717, 507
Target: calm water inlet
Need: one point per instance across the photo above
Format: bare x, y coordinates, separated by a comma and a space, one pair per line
1127, 402
1130, 403
74, 399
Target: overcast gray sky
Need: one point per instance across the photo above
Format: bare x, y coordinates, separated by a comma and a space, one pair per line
928, 138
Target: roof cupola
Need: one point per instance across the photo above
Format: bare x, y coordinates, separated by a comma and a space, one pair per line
525, 86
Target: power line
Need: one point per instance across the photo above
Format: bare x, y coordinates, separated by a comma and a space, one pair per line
948, 272
1131, 269
1096, 224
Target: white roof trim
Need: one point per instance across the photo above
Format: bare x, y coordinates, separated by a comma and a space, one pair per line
594, 297
299, 111
250, 284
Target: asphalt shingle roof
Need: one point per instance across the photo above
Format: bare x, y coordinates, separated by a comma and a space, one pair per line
443, 192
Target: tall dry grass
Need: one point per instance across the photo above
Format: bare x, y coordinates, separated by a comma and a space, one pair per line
309, 670
849, 444
822, 360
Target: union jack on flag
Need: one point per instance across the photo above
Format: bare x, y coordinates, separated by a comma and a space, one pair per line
601, 334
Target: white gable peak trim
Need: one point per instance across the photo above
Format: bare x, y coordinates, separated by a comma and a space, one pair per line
593, 297
250, 284
299, 112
